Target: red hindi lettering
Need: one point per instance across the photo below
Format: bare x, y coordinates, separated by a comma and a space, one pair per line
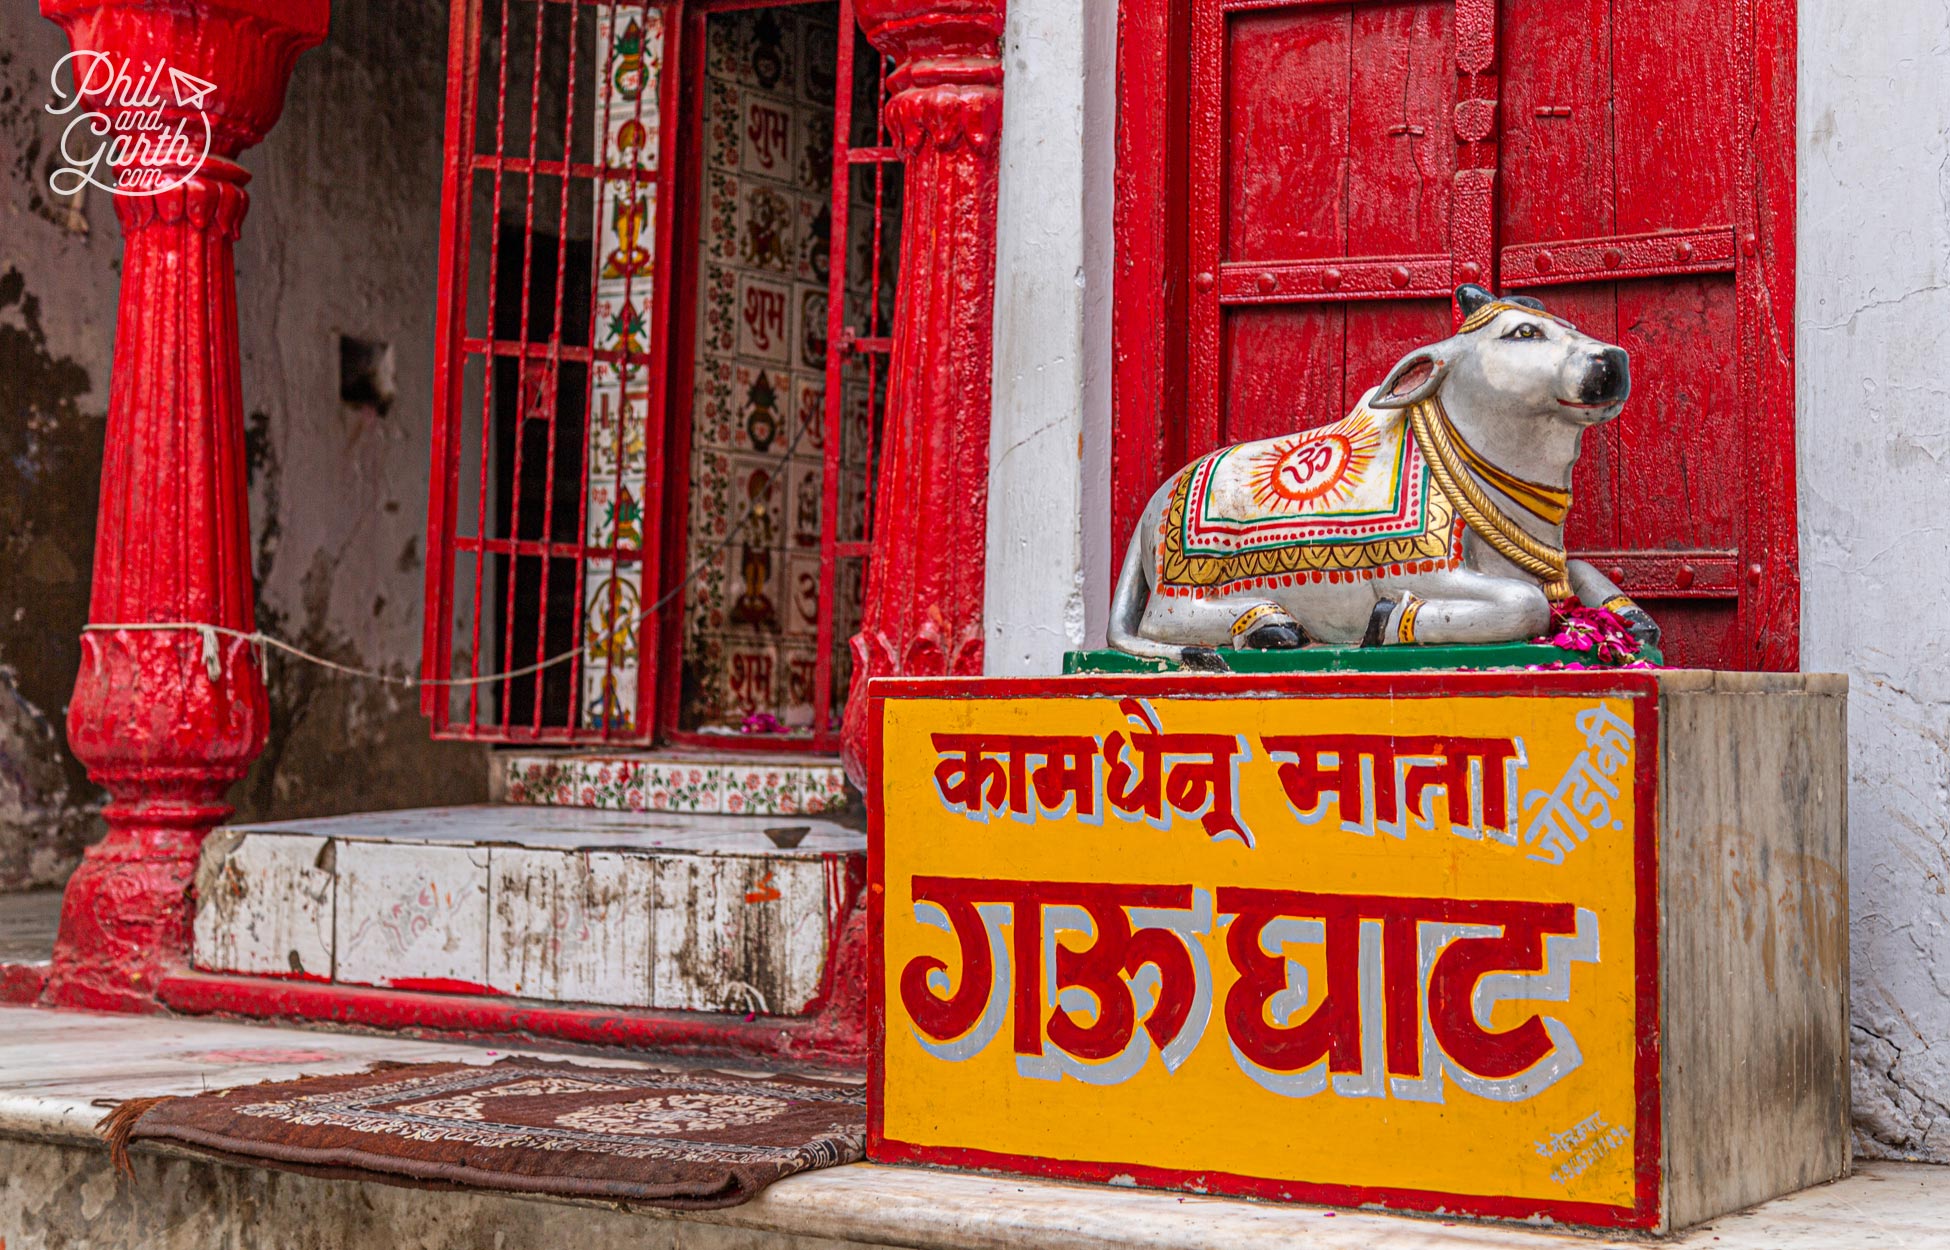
945, 1019
1190, 773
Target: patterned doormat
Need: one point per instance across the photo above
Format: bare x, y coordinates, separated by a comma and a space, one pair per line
662, 1138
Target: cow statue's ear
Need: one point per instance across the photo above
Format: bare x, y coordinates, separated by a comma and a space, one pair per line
1416, 378
1470, 297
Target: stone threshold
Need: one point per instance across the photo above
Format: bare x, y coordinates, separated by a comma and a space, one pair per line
58, 1069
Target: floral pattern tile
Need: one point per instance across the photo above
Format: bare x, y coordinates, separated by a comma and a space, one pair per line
650, 783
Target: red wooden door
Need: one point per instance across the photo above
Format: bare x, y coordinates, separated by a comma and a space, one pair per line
1346, 165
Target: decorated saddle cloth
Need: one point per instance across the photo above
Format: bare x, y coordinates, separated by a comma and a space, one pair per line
1352, 500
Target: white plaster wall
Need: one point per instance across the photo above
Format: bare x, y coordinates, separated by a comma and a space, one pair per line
1874, 425
1048, 575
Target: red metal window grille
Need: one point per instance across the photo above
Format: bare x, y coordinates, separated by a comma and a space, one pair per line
567, 553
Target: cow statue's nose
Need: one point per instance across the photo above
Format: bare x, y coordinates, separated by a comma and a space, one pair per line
1608, 378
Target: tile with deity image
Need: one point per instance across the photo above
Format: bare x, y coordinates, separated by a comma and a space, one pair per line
767, 228
612, 610
609, 697
765, 315
632, 138
757, 499
629, 230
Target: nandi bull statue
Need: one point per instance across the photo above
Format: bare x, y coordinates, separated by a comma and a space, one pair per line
1433, 513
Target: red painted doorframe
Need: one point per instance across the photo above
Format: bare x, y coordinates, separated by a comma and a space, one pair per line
1157, 132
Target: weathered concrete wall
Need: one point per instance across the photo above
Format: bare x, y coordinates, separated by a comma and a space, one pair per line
1874, 425
340, 240
1049, 563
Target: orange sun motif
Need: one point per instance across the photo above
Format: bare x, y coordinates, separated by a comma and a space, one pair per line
1320, 467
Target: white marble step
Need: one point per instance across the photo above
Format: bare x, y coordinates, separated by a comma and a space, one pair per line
59, 1069
671, 781
667, 911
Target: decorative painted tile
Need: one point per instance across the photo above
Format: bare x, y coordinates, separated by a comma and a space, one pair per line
652, 782
719, 314
617, 439
824, 790
633, 60
750, 673
714, 423
723, 216
616, 510
769, 138
802, 595
621, 326
609, 701
612, 602
633, 137
724, 113
768, 228
571, 926
739, 934
805, 490
682, 787
408, 914
814, 231
712, 511
629, 223
264, 904
798, 678
762, 788
812, 326
818, 61
764, 403
809, 403
764, 319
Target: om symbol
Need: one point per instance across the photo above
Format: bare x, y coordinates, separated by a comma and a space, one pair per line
1307, 469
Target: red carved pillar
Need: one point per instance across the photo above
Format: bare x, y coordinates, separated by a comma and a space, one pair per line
923, 612
164, 720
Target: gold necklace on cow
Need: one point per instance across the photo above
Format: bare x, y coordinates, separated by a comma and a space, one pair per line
1451, 461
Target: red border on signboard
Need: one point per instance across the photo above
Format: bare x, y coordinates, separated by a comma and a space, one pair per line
1640, 687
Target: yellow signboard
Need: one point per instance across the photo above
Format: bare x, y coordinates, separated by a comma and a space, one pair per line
1353, 939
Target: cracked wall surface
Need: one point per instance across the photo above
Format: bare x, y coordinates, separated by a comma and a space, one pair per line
1874, 427
339, 240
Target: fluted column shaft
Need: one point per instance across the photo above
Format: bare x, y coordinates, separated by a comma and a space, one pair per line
923, 610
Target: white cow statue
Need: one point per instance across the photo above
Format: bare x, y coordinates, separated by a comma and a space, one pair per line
1433, 513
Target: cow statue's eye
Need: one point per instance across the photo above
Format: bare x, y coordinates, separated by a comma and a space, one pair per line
1528, 330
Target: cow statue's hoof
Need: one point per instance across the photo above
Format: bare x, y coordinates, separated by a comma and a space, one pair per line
1203, 660
1278, 636
1378, 623
1641, 624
